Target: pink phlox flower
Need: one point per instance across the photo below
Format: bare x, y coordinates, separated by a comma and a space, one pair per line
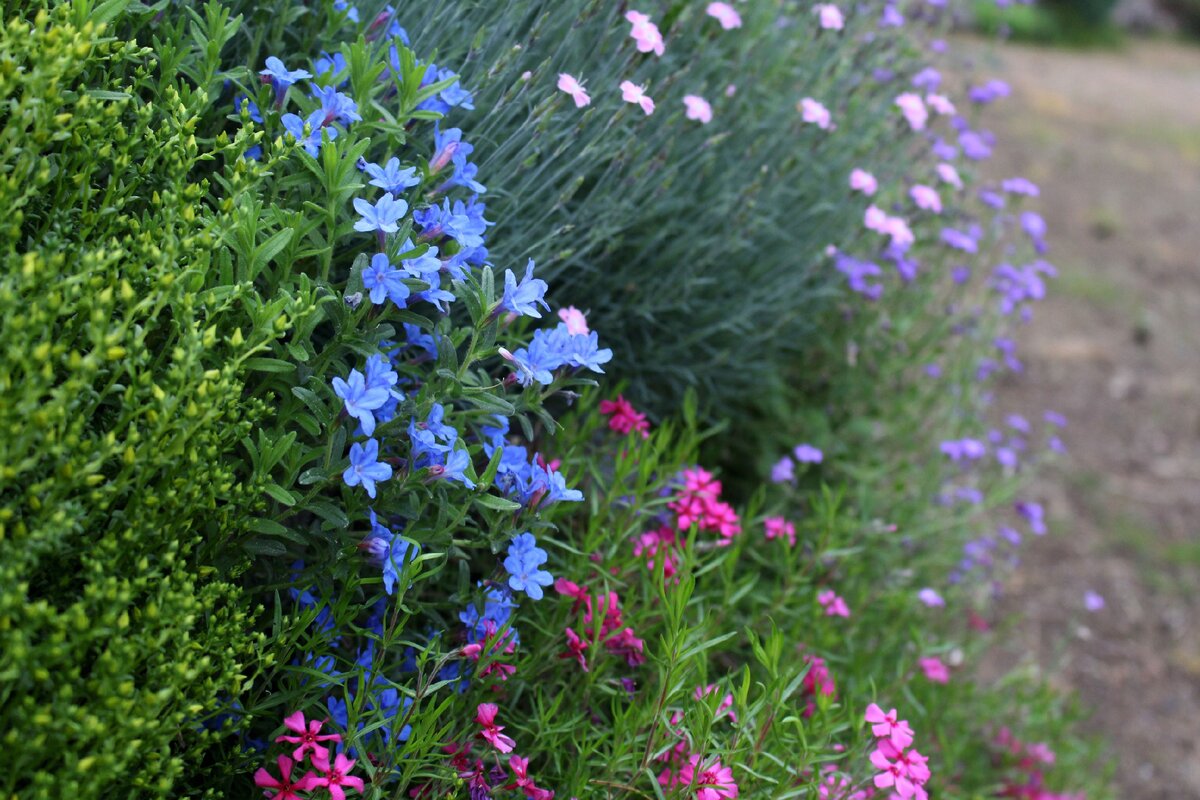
646, 34
934, 669
575, 320
712, 781
308, 737
571, 85
575, 648
623, 418
725, 14
863, 181
891, 774
833, 604
697, 108
913, 109
632, 93
485, 715
779, 527
949, 174
818, 680
830, 16
940, 104
887, 726
926, 197
285, 788
726, 706
337, 777
813, 112
662, 541
625, 644
897, 228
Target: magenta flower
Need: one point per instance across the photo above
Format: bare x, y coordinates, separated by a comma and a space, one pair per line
645, 33
830, 16
934, 669
834, 605
892, 775
624, 418
575, 320
913, 109
698, 108
1092, 601
485, 715
711, 782
926, 197
308, 738
779, 527
887, 726
813, 112
572, 86
284, 788
575, 648
632, 93
337, 776
863, 181
724, 14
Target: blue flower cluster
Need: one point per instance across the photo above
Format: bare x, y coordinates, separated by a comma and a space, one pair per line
524, 566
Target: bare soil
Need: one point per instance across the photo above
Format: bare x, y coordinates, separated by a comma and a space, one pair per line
1113, 139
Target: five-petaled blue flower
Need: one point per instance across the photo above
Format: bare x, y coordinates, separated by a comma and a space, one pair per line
365, 467
335, 106
524, 564
390, 177
312, 142
523, 297
455, 467
280, 77
383, 280
383, 217
360, 399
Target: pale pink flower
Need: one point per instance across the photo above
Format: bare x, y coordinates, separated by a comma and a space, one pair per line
830, 16
897, 228
949, 174
834, 605
914, 110
814, 112
863, 181
887, 726
731, 90
576, 321
926, 198
940, 104
645, 33
934, 669
875, 219
572, 86
724, 14
632, 93
698, 108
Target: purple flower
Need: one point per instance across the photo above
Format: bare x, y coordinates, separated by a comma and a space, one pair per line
1056, 419
975, 145
783, 471
1020, 186
963, 449
959, 240
930, 598
1034, 514
365, 467
1092, 601
989, 92
807, 454
927, 80
1034, 227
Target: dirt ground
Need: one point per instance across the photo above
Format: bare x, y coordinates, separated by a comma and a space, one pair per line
1113, 139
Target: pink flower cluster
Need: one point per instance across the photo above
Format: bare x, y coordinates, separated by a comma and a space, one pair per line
779, 527
1028, 761
817, 682
477, 775
833, 604
903, 769
698, 503
307, 736
618, 639
704, 780
623, 417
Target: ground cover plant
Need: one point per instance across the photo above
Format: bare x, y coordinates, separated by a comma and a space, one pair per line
310, 487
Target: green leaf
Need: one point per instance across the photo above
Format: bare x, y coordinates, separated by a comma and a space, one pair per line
497, 503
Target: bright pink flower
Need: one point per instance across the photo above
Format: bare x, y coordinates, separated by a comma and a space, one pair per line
711, 782
894, 775
834, 605
779, 526
926, 197
653, 543
575, 320
934, 669
575, 648
830, 16
284, 788
632, 93
645, 33
623, 418
697, 108
887, 726
309, 738
724, 14
485, 715
815, 113
624, 643
337, 776
572, 86
949, 174
818, 681
863, 181
913, 109
940, 104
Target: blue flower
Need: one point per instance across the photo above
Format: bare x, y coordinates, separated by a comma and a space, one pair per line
390, 177
959, 240
351, 11
315, 122
380, 373
454, 468
524, 567
435, 293
281, 78
383, 217
336, 106
493, 435
385, 281
360, 399
365, 467
391, 551
446, 146
329, 66
425, 266
461, 221
252, 107
523, 297
584, 350
416, 337
464, 175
